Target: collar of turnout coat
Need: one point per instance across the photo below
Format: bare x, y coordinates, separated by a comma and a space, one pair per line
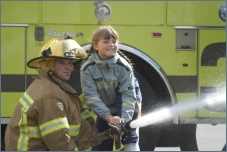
64, 85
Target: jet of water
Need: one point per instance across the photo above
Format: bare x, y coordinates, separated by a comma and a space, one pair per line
167, 113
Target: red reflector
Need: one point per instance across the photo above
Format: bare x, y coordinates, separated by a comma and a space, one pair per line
157, 34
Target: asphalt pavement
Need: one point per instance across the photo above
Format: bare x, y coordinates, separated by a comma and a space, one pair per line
209, 138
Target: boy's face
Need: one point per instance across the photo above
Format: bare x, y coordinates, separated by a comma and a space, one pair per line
63, 68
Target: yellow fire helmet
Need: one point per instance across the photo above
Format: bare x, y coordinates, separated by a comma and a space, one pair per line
66, 48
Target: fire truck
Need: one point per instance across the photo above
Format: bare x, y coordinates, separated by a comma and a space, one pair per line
178, 49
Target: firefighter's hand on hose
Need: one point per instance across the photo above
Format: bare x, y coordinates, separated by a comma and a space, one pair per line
93, 143
114, 120
117, 137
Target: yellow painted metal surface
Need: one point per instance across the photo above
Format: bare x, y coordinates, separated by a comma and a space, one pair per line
9, 102
13, 50
161, 49
124, 13
183, 98
70, 12
194, 13
12, 62
137, 13
19, 12
212, 76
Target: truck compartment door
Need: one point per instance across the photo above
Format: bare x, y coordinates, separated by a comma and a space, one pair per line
12, 67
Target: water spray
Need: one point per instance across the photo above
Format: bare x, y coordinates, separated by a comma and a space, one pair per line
160, 116
219, 100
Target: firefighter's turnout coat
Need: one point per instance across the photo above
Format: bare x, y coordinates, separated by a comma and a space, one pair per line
108, 86
49, 117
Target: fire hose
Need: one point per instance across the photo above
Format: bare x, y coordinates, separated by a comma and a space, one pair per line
114, 130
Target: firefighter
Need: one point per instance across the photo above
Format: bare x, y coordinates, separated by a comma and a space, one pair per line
49, 116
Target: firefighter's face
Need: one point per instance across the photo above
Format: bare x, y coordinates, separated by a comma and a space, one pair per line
63, 68
106, 48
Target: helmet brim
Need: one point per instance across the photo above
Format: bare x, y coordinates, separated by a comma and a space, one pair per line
36, 62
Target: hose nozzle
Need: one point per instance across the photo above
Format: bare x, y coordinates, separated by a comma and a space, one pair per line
125, 127
114, 130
